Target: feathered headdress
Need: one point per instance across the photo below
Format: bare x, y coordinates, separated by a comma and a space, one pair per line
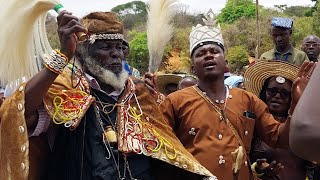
23, 37
159, 30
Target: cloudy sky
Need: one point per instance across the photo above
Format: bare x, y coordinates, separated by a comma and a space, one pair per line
83, 7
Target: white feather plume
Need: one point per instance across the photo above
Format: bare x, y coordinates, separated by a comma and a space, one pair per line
23, 37
159, 29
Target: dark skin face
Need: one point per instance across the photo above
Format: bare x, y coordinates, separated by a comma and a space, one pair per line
109, 54
208, 62
281, 38
278, 105
311, 46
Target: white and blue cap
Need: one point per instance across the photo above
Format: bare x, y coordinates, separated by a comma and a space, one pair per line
210, 33
282, 22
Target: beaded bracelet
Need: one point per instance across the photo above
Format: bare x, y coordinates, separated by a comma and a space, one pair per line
55, 62
253, 168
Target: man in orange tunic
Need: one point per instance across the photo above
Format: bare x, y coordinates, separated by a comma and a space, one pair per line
216, 123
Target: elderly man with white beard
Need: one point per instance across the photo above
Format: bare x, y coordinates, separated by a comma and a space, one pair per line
89, 123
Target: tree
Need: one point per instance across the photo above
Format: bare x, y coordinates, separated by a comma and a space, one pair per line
131, 13
139, 55
313, 9
237, 56
302, 27
316, 20
235, 9
298, 11
52, 34
133, 7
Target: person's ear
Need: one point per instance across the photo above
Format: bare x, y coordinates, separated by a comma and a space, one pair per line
192, 70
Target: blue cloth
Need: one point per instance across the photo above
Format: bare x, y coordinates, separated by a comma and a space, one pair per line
126, 67
233, 81
282, 22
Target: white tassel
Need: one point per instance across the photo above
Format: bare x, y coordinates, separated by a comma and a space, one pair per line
159, 30
23, 37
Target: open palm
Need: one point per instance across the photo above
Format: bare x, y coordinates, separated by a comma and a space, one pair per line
301, 82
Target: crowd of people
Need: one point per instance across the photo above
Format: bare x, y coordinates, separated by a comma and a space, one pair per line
100, 119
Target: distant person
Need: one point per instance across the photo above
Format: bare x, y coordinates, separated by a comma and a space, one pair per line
281, 32
168, 83
126, 51
235, 81
187, 81
311, 46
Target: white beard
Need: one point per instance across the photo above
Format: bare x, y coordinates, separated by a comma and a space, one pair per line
106, 76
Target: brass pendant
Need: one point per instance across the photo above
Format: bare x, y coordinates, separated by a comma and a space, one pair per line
109, 135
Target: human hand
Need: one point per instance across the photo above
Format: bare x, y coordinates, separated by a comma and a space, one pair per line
151, 82
68, 25
301, 82
267, 169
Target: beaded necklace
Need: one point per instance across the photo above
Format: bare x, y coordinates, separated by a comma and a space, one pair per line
108, 145
219, 110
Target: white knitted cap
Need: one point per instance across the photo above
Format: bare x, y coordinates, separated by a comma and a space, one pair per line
210, 32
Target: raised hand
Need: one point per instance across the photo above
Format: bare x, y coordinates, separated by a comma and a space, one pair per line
151, 82
68, 25
268, 170
301, 82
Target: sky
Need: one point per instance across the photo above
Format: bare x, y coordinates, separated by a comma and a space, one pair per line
83, 7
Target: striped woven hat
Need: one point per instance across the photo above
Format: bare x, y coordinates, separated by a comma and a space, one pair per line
164, 79
256, 74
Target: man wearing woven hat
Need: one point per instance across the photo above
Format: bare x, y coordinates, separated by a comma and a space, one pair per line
168, 83
214, 122
89, 123
272, 82
281, 32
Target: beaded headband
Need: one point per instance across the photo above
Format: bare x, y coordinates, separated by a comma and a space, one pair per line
95, 37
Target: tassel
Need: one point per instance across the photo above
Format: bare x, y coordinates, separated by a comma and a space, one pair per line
238, 158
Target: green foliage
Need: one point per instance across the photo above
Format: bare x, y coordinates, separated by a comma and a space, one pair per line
302, 27
237, 56
235, 9
180, 39
238, 29
133, 7
298, 11
316, 20
139, 55
131, 13
52, 34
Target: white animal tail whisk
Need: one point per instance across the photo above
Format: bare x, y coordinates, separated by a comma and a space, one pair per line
159, 30
23, 37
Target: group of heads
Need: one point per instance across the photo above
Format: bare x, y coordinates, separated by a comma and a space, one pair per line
281, 32
103, 53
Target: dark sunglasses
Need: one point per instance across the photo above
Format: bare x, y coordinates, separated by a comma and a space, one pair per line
283, 93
